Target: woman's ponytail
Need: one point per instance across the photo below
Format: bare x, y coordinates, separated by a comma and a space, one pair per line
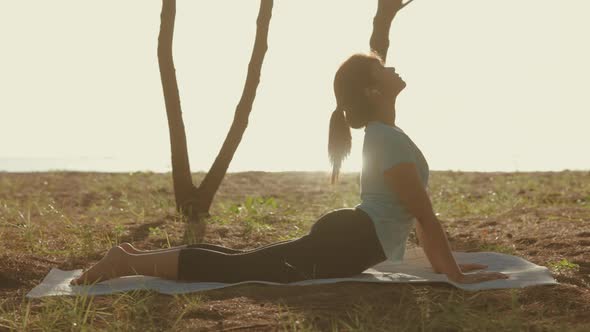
352, 79
339, 141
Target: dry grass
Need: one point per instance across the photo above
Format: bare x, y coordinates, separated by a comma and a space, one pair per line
68, 220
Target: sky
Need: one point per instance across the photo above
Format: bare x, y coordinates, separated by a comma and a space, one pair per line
492, 85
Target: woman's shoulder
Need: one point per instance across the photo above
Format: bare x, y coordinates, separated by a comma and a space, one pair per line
385, 132
380, 126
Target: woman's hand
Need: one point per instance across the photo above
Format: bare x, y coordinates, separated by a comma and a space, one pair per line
474, 278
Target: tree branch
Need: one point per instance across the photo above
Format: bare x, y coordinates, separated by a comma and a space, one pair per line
386, 11
181, 174
213, 179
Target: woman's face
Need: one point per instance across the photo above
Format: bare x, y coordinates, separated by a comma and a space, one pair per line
389, 83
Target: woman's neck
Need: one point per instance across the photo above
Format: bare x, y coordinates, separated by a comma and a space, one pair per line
386, 114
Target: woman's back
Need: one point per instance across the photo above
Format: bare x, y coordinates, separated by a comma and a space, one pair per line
385, 146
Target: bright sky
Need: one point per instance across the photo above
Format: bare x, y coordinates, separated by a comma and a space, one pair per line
493, 85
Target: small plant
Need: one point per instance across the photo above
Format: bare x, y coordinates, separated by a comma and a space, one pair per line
155, 231
118, 231
254, 225
563, 266
139, 214
189, 303
291, 321
158, 232
255, 206
497, 248
86, 240
217, 219
253, 212
29, 230
114, 237
295, 231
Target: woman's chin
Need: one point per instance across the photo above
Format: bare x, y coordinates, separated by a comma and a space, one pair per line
399, 89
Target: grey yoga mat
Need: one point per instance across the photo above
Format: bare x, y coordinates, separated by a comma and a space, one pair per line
415, 268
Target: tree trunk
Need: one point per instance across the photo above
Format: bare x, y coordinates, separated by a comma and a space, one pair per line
213, 179
194, 202
386, 11
181, 174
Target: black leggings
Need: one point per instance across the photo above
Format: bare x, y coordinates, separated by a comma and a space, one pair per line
341, 243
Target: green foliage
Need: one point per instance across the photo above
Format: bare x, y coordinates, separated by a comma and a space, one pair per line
255, 212
496, 248
293, 231
255, 206
55, 313
157, 232
563, 265
115, 235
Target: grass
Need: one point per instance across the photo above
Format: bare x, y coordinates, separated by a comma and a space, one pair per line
564, 265
69, 220
497, 248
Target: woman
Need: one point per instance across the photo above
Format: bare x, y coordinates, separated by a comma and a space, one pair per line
343, 242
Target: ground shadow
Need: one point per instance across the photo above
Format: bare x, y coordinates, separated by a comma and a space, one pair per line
8, 283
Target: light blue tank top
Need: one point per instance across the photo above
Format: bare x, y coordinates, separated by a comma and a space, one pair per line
385, 146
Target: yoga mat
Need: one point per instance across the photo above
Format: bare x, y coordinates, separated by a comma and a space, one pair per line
414, 268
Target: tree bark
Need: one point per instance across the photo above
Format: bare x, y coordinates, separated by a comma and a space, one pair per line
386, 11
213, 179
181, 174
190, 200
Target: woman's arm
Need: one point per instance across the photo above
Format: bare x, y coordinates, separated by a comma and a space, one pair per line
421, 239
404, 181
467, 267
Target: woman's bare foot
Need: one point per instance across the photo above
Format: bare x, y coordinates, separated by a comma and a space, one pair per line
129, 248
114, 264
